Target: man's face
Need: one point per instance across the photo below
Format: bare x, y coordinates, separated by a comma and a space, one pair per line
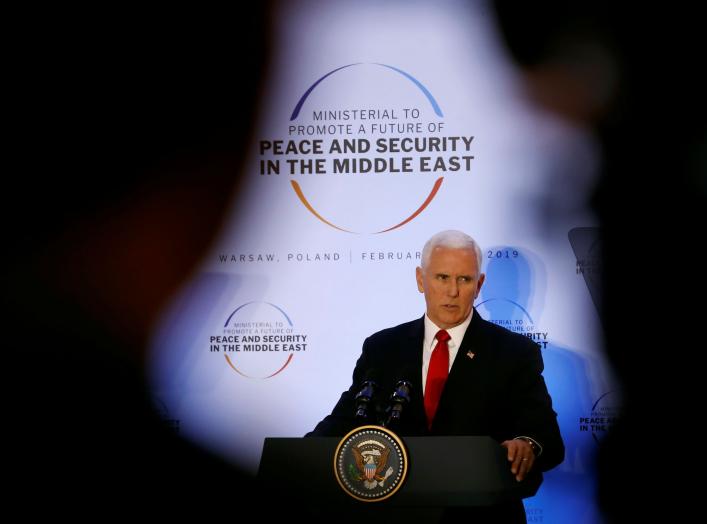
450, 282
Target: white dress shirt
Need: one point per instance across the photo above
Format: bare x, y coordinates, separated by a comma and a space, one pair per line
457, 335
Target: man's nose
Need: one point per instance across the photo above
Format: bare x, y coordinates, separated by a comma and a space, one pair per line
453, 289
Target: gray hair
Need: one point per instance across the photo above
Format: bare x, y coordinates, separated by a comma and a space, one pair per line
451, 239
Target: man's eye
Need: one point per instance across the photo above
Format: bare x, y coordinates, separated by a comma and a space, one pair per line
442, 277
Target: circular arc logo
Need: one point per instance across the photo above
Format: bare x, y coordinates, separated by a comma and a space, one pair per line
230, 361
435, 188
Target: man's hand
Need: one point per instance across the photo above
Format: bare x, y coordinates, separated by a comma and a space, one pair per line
521, 457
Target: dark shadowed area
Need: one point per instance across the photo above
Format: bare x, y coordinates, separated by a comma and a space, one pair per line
130, 128
631, 75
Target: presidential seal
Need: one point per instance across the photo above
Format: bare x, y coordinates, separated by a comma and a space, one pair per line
370, 463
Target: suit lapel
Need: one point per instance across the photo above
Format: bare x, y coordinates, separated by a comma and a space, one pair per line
472, 344
464, 376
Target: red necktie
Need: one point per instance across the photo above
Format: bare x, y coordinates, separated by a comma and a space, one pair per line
436, 375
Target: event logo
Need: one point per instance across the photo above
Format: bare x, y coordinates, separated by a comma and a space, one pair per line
258, 340
508, 290
164, 415
533, 514
605, 413
586, 245
370, 463
335, 132
519, 321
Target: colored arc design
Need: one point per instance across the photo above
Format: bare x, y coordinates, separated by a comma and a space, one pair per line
306, 203
421, 87
599, 400
300, 103
594, 435
298, 109
512, 302
418, 84
233, 366
419, 210
249, 376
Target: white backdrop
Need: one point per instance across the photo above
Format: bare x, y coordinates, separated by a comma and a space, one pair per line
278, 270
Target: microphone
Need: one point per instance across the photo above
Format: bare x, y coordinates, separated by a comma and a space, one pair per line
398, 399
365, 395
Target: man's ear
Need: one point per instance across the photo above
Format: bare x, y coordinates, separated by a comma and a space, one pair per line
482, 279
418, 277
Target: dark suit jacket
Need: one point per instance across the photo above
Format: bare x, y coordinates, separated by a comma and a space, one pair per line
499, 392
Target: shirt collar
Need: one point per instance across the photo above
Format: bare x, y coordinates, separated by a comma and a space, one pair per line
456, 333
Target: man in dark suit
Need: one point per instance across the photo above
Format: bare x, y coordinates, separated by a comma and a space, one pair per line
469, 376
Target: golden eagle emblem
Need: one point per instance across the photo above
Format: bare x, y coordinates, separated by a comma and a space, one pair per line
370, 465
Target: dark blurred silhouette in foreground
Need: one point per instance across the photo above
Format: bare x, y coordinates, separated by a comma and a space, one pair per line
139, 123
632, 78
